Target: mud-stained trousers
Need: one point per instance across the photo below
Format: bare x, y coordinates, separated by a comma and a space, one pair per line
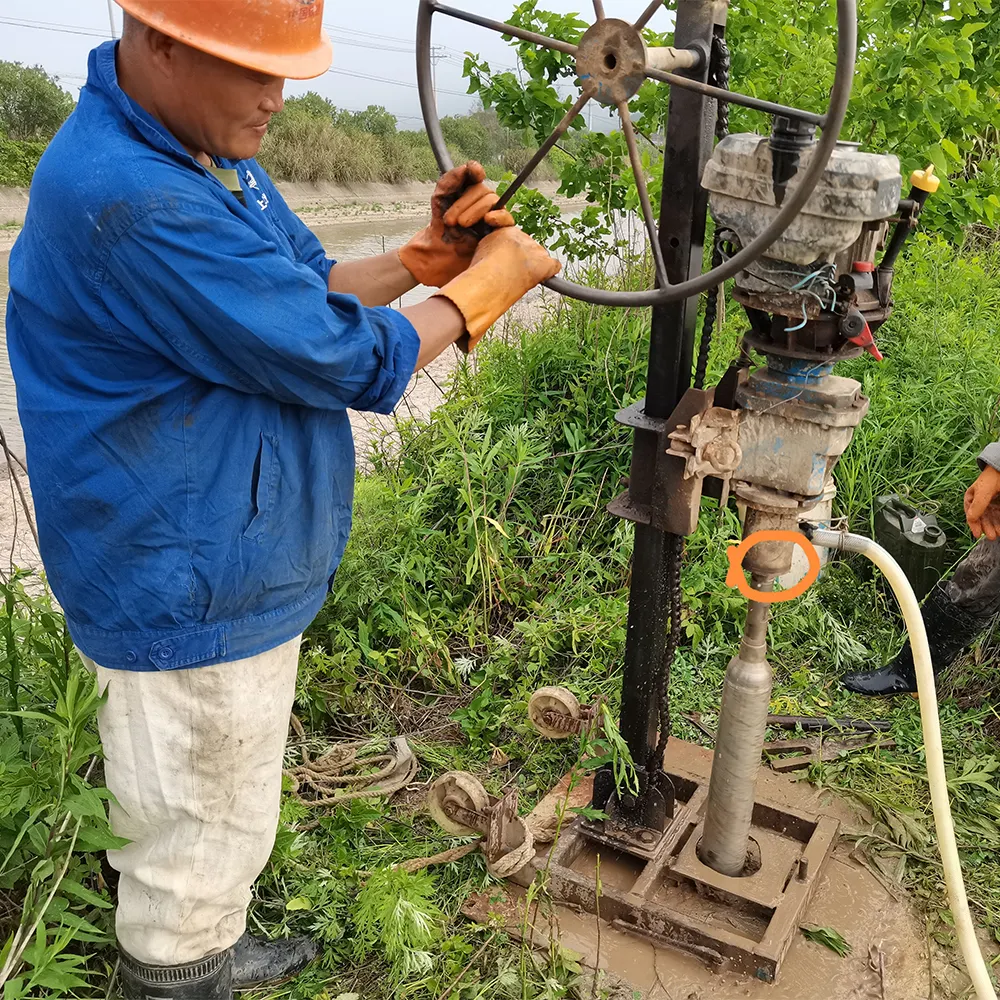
194, 759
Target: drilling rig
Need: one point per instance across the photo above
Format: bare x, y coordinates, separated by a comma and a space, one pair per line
810, 228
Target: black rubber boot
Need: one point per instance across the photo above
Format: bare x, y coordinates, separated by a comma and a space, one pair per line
268, 963
208, 979
951, 628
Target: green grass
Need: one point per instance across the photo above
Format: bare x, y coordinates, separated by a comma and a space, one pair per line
484, 564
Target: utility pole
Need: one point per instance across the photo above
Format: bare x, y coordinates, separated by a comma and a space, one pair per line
437, 54
111, 19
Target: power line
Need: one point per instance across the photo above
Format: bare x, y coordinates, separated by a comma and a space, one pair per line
384, 79
367, 34
456, 53
379, 46
66, 29
97, 33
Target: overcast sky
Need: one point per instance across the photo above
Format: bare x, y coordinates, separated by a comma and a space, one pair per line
371, 37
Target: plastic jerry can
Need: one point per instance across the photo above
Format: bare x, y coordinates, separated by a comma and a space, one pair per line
915, 541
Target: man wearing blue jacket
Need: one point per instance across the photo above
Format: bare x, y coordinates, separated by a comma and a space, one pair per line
185, 355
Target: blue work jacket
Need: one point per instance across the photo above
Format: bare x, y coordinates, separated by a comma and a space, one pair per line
183, 376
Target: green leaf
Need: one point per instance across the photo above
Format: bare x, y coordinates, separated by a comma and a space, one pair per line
93, 838
14, 989
968, 30
38, 837
828, 938
299, 903
54, 978
84, 930
952, 150
84, 894
85, 804
587, 812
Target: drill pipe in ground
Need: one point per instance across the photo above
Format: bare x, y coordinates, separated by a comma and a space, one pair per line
746, 698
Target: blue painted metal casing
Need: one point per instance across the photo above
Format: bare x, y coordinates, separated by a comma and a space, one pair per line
798, 419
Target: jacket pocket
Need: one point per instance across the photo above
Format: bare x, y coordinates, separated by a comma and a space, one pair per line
263, 486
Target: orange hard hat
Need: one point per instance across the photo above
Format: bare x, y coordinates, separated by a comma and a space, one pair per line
279, 37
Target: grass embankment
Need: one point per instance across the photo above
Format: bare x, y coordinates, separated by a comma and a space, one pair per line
483, 565
313, 141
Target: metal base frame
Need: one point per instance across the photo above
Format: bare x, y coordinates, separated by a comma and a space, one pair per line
665, 894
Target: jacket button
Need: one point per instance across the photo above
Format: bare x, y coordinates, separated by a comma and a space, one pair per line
130, 657
166, 653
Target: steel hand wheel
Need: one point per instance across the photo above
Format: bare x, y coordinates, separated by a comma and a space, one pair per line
613, 61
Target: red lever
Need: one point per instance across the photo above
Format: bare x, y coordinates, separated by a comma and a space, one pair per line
867, 341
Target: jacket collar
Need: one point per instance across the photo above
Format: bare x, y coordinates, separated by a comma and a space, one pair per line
102, 76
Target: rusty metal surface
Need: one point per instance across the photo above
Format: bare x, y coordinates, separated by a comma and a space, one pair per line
502, 834
679, 498
709, 444
611, 61
795, 754
845, 895
779, 858
819, 341
663, 893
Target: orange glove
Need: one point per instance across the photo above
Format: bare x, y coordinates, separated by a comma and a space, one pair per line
982, 508
507, 265
446, 247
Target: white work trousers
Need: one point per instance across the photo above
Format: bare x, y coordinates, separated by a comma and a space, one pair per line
194, 759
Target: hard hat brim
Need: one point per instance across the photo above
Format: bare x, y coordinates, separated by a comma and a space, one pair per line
293, 66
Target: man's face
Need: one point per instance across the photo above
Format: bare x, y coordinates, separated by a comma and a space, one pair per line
217, 107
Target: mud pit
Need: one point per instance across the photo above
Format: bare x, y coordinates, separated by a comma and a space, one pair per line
889, 959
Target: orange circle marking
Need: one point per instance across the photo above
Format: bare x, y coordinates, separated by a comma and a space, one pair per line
737, 553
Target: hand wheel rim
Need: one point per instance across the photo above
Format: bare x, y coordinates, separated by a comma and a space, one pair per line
836, 114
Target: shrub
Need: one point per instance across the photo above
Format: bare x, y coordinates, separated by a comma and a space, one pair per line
32, 104
18, 161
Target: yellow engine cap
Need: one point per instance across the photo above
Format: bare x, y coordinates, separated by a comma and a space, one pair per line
925, 180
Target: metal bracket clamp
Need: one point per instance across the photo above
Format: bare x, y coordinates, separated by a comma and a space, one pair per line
663, 491
709, 445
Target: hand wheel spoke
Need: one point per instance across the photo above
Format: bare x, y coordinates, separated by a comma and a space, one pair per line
599, 9
506, 29
543, 150
640, 183
647, 14
732, 97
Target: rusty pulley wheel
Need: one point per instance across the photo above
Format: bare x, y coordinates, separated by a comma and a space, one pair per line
555, 712
613, 61
457, 790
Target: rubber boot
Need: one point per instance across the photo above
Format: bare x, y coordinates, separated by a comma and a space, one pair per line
268, 963
207, 979
951, 628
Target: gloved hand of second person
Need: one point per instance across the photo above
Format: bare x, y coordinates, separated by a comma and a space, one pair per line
446, 247
982, 505
507, 265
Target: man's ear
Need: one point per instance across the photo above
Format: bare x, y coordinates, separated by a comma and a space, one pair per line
162, 51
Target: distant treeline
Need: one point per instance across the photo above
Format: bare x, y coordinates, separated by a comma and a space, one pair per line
310, 140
